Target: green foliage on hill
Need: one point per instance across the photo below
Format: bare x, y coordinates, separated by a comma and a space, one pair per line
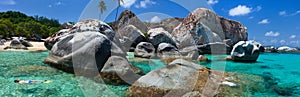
14, 23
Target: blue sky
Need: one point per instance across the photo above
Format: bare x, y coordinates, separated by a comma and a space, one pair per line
271, 22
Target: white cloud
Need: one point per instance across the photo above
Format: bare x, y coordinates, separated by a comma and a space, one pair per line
264, 21
8, 2
282, 41
239, 10
295, 13
251, 17
155, 19
212, 2
58, 3
50, 6
258, 8
273, 41
282, 13
127, 3
272, 34
293, 36
144, 4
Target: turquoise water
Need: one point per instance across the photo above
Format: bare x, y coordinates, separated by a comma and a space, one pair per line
25, 65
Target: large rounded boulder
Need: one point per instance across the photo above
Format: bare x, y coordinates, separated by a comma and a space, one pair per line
245, 51
81, 26
159, 35
176, 79
84, 49
130, 36
144, 50
117, 69
17, 43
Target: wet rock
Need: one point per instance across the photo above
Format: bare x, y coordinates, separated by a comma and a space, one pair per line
144, 50
245, 51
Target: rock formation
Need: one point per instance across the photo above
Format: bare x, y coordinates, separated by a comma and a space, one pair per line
245, 51
144, 50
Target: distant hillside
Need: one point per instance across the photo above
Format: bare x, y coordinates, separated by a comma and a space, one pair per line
14, 23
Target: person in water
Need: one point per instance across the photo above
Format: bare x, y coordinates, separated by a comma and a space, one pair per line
31, 81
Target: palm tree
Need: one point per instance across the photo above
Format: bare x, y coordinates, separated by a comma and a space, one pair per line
119, 4
102, 7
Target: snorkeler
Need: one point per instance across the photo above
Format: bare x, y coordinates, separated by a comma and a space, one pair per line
31, 81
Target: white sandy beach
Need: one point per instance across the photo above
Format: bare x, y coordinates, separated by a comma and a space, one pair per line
37, 46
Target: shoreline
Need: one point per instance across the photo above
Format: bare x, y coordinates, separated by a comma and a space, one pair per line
37, 46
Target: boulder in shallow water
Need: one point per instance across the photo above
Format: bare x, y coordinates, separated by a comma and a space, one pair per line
245, 51
118, 69
166, 49
176, 79
81, 53
144, 50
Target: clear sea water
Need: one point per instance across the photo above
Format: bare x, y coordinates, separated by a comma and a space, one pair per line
26, 65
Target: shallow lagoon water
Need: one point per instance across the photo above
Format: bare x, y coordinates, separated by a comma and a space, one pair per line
25, 65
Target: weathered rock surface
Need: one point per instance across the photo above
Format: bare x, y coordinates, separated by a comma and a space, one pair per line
245, 51
129, 18
81, 26
233, 30
203, 26
176, 79
117, 69
81, 53
168, 24
159, 35
144, 50
84, 49
130, 36
166, 47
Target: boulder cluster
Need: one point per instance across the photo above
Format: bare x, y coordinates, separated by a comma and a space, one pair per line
97, 50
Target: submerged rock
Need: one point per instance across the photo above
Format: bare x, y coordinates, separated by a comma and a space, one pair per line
144, 50
245, 51
159, 35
